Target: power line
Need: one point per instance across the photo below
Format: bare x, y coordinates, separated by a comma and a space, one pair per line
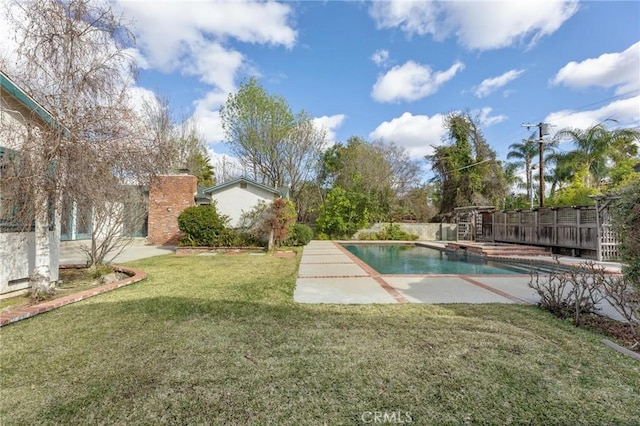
582, 107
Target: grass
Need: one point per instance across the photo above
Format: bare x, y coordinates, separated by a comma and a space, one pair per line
218, 340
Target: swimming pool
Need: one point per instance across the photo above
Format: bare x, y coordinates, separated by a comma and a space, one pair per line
412, 259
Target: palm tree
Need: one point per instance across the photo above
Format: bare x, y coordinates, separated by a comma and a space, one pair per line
525, 152
595, 147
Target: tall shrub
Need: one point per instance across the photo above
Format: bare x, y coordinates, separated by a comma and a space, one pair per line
626, 221
204, 226
299, 235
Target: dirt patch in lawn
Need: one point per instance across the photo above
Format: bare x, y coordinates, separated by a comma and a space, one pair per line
70, 280
287, 254
621, 332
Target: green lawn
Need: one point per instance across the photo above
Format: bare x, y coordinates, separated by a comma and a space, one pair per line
218, 340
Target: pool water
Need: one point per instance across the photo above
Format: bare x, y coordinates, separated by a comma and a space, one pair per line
410, 259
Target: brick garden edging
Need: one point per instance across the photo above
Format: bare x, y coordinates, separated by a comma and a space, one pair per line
24, 312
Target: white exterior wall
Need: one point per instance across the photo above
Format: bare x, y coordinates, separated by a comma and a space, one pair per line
18, 257
233, 201
12, 118
17, 249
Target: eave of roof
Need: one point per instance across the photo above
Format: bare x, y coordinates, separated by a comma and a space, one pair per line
14, 90
230, 183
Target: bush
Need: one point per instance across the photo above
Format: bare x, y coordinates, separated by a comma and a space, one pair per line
626, 221
204, 226
390, 232
368, 236
568, 294
299, 235
576, 292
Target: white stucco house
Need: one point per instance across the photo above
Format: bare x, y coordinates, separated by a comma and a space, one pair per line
19, 112
240, 195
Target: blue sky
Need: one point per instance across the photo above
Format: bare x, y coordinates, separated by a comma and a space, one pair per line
390, 70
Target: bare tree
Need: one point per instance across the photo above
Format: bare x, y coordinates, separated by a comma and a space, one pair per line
180, 144
71, 57
300, 155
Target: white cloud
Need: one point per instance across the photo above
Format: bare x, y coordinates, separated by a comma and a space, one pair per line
490, 85
207, 116
411, 81
136, 57
418, 17
417, 133
380, 57
190, 36
214, 64
168, 30
330, 124
139, 97
624, 111
486, 119
480, 25
620, 70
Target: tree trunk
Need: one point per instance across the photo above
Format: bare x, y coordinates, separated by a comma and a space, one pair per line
40, 278
271, 243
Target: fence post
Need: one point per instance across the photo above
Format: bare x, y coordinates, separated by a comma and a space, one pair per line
598, 233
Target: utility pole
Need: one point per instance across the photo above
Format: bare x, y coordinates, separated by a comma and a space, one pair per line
531, 185
544, 129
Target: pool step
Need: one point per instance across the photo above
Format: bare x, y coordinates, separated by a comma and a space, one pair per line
498, 250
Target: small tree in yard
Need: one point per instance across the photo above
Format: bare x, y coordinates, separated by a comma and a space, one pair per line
270, 222
116, 222
72, 58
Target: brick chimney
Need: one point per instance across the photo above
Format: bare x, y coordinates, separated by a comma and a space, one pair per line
169, 195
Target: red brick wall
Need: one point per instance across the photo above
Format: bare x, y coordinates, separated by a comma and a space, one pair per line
169, 195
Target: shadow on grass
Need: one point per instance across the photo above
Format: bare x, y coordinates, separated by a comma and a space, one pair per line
171, 359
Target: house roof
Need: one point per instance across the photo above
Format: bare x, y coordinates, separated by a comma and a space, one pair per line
223, 186
25, 99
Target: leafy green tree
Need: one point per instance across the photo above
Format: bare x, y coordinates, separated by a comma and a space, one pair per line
514, 199
525, 153
596, 149
381, 172
626, 221
343, 213
466, 168
577, 193
418, 204
309, 198
277, 146
199, 165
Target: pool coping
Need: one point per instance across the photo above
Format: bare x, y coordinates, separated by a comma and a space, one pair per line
550, 260
469, 278
325, 281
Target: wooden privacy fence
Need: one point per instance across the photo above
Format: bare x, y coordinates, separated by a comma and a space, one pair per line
579, 231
